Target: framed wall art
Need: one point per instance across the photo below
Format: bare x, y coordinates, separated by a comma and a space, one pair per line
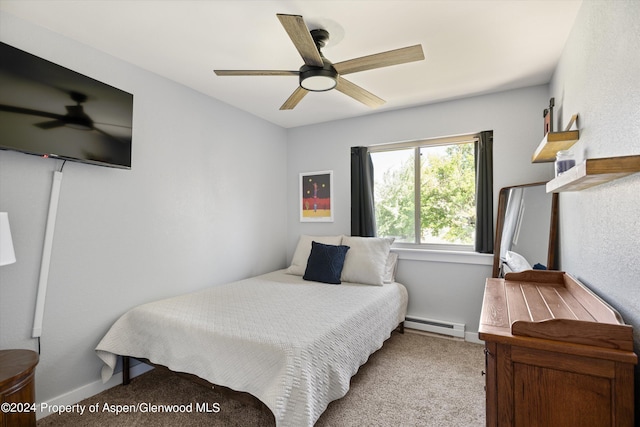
316, 196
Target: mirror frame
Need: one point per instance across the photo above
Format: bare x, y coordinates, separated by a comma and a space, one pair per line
553, 228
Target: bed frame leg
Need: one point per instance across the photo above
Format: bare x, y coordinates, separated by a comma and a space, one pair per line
400, 327
126, 375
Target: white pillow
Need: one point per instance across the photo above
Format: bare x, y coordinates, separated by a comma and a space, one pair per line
303, 250
390, 268
366, 259
517, 262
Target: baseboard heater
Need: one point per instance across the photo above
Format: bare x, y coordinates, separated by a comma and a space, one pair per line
435, 326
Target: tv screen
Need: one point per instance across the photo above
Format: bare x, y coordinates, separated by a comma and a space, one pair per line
51, 111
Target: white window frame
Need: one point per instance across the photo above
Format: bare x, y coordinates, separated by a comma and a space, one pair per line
416, 145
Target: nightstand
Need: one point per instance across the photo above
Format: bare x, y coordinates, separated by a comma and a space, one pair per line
17, 370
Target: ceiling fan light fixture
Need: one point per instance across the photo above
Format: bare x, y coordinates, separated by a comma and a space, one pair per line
318, 79
318, 83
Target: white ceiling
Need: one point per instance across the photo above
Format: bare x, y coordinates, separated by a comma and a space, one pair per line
471, 46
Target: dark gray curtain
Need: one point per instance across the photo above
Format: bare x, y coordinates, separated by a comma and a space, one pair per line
363, 218
484, 192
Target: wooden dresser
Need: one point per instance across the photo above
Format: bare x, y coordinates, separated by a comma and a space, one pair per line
556, 354
17, 391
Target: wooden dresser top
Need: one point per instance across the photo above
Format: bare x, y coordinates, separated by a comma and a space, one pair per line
550, 305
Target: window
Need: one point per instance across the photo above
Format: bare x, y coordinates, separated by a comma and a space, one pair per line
425, 192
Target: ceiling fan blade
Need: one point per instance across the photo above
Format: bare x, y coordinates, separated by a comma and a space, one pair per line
50, 125
28, 111
301, 37
256, 73
359, 94
295, 97
379, 60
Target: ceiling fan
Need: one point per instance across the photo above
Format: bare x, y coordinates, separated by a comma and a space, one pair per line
318, 74
76, 118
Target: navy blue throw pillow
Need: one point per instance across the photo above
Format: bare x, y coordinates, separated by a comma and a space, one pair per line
325, 263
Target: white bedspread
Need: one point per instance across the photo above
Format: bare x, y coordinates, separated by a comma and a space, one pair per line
291, 343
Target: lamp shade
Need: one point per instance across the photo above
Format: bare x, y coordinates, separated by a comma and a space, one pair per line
7, 255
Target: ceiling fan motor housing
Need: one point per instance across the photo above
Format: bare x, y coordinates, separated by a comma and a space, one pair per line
319, 79
320, 37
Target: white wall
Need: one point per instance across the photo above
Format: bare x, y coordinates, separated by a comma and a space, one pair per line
206, 179
599, 78
203, 204
441, 291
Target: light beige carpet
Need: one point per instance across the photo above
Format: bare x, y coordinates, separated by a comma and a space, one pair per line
414, 380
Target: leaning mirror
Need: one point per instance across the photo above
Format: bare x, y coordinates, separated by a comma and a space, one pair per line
526, 229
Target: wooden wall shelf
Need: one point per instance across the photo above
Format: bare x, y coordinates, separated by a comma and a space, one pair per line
593, 172
552, 143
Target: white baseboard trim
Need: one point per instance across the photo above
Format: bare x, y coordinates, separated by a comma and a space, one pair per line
436, 326
74, 396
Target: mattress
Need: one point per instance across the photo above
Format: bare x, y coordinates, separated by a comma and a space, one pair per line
293, 344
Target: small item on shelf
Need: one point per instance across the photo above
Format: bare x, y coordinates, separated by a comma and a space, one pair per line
564, 161
548, 117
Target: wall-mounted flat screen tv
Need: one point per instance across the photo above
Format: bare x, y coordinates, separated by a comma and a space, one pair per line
51, 111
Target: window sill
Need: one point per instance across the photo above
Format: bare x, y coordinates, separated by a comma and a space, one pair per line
458, 257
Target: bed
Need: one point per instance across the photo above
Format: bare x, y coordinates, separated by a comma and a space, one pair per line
292, 342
